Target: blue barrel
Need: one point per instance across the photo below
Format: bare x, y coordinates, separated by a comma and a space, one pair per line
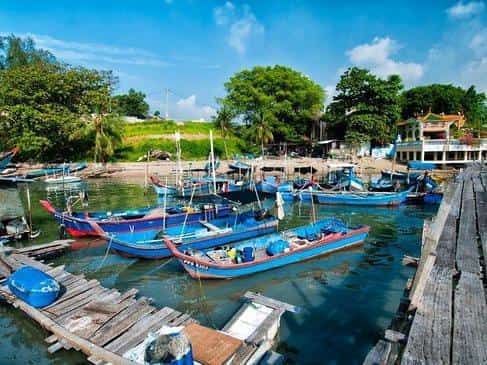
248, 254
34, 286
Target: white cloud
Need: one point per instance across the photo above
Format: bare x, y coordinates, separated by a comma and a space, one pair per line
376, 56
463, 10
85, 53
478, 44
330, 93
187, 108
241, 24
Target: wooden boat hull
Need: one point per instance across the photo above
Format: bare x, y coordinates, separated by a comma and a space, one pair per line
160, 250
87, 227
7, 158
204, 270
366, 199
165, 190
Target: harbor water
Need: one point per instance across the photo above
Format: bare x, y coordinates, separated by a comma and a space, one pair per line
347, 298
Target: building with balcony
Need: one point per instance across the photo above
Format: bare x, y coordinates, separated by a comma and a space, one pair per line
430, 139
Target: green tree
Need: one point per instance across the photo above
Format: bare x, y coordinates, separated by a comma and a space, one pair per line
291, 98
260, 131
46, 106
131, 104
365, 108
223, 121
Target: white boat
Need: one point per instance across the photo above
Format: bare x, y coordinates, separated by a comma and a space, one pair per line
67, 179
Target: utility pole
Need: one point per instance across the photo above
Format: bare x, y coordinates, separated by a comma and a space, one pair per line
167, 103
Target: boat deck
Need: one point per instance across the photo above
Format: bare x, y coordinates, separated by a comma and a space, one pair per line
447, 298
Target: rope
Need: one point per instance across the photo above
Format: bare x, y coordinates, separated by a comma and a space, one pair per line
160, 266
187, 212
106, 254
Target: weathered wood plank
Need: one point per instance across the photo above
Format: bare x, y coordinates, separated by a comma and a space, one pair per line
420, 281
79, 292
481, 204
467, 255
269, 302
470, 321
77, 301
477, 184
430, 335
383, 353
120, 323
139, 331
446, 248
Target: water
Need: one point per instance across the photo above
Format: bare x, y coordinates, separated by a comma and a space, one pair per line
347, 298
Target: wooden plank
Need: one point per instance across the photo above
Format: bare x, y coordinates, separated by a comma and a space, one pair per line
77, 301
420, 281
139, 331
120, 323
467, 255
87, 347
477, 184
70, 293
63, 243
470, 321
481, 205
446, 248
383, 353
430, 335
179, 320
261, 332
269, 302
51, 339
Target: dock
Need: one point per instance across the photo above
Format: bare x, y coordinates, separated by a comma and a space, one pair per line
442, 318
108, 325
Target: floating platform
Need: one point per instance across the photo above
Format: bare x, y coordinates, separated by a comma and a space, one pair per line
107, 325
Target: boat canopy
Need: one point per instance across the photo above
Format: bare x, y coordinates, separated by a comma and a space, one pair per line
336, 166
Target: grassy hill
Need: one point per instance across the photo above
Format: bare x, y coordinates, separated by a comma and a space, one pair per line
138, 138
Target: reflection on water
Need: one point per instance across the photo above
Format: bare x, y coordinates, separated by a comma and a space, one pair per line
348, 297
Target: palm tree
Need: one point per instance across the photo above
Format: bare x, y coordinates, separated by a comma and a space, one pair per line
261, 129
223, 120
105, 129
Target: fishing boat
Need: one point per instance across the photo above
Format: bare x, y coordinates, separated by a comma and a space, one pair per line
239, 166
271, 251
342, 176
361, 198
64, 179
56, 170
193, 236
161, 188
80, 224
6, 158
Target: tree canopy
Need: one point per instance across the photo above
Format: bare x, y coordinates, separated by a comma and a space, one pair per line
132, 104
365, 107
290, 101
46, 107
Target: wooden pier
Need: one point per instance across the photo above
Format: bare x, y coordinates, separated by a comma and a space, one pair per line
444, 312
106, 324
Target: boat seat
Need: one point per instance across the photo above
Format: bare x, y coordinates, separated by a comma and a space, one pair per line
210, 226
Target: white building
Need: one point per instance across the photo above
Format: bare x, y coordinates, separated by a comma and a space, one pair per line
430, 139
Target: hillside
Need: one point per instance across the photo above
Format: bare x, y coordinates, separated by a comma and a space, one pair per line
138, 138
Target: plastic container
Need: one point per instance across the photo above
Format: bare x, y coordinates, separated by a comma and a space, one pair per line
33, 286
248, 254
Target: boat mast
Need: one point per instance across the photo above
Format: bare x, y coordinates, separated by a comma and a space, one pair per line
212, 162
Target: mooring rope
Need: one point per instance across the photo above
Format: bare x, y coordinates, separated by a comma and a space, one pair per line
187, 212
106, 254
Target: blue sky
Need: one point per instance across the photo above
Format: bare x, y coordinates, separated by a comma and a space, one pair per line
192, 47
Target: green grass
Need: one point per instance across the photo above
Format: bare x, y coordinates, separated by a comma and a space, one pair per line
139, 138
167, 127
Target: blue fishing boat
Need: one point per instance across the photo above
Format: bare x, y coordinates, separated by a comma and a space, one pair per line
361, 198
162, 189
287, 191
85, 224
342, 176
6, 158
271, 251
239, 166
268, 185
65, 169
194, 236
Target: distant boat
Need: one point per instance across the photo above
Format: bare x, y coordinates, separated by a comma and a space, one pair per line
6, 158
79, 224
56, 170
196, 235
361, 198
162, 189
239, 166
65, 179
271, 251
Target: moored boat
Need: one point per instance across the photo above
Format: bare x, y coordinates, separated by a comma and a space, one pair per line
64, 179
80, 224
361, 198
193, 236
271, 251
6, 158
